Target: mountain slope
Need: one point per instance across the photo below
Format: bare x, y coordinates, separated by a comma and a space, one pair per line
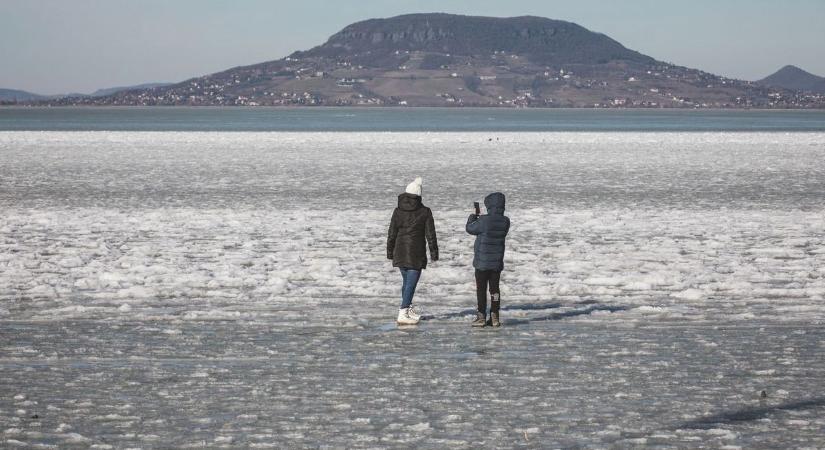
451, 60
794, 78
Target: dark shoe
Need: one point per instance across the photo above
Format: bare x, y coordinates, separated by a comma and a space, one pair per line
494, 320
480, 320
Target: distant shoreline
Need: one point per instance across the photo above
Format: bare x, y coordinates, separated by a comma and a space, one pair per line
395, 108
411, 119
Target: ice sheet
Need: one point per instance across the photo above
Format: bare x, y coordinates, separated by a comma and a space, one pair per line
231, 289
183, 226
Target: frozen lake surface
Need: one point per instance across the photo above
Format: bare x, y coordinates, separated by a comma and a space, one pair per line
231, 289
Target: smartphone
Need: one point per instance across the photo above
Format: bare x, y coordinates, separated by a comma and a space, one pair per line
477, 208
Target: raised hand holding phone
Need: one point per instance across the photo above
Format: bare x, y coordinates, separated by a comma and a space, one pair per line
477, 208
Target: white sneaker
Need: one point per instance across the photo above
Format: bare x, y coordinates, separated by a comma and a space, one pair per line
404, 317
414, 312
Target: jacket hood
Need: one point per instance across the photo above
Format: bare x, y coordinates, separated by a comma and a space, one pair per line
409, 202
494, 203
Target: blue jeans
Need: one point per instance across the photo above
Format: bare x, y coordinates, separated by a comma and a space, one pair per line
410, 277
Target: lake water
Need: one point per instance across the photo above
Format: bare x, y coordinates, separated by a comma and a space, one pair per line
401, 119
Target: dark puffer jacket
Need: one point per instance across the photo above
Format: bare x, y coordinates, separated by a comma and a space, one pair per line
490, 231
411, 224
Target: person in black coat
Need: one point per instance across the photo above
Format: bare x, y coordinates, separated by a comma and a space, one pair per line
488, 256
411, 225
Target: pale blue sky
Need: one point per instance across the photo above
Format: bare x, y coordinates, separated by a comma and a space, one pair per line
58, 46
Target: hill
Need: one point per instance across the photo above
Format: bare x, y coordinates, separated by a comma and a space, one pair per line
543, 41
792, 77
451, 60
13, 95
113, 90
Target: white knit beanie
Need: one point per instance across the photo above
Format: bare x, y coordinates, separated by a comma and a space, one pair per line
415, 187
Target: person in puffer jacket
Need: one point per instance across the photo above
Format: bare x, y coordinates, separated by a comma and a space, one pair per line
411, 225
488, 256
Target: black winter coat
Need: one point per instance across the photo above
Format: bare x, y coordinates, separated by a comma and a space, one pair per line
490, 231
411, 224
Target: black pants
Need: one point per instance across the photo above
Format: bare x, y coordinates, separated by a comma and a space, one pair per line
483, 277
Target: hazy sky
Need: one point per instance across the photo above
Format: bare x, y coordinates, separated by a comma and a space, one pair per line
60, 46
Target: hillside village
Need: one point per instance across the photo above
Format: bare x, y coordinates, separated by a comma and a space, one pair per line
506, 80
